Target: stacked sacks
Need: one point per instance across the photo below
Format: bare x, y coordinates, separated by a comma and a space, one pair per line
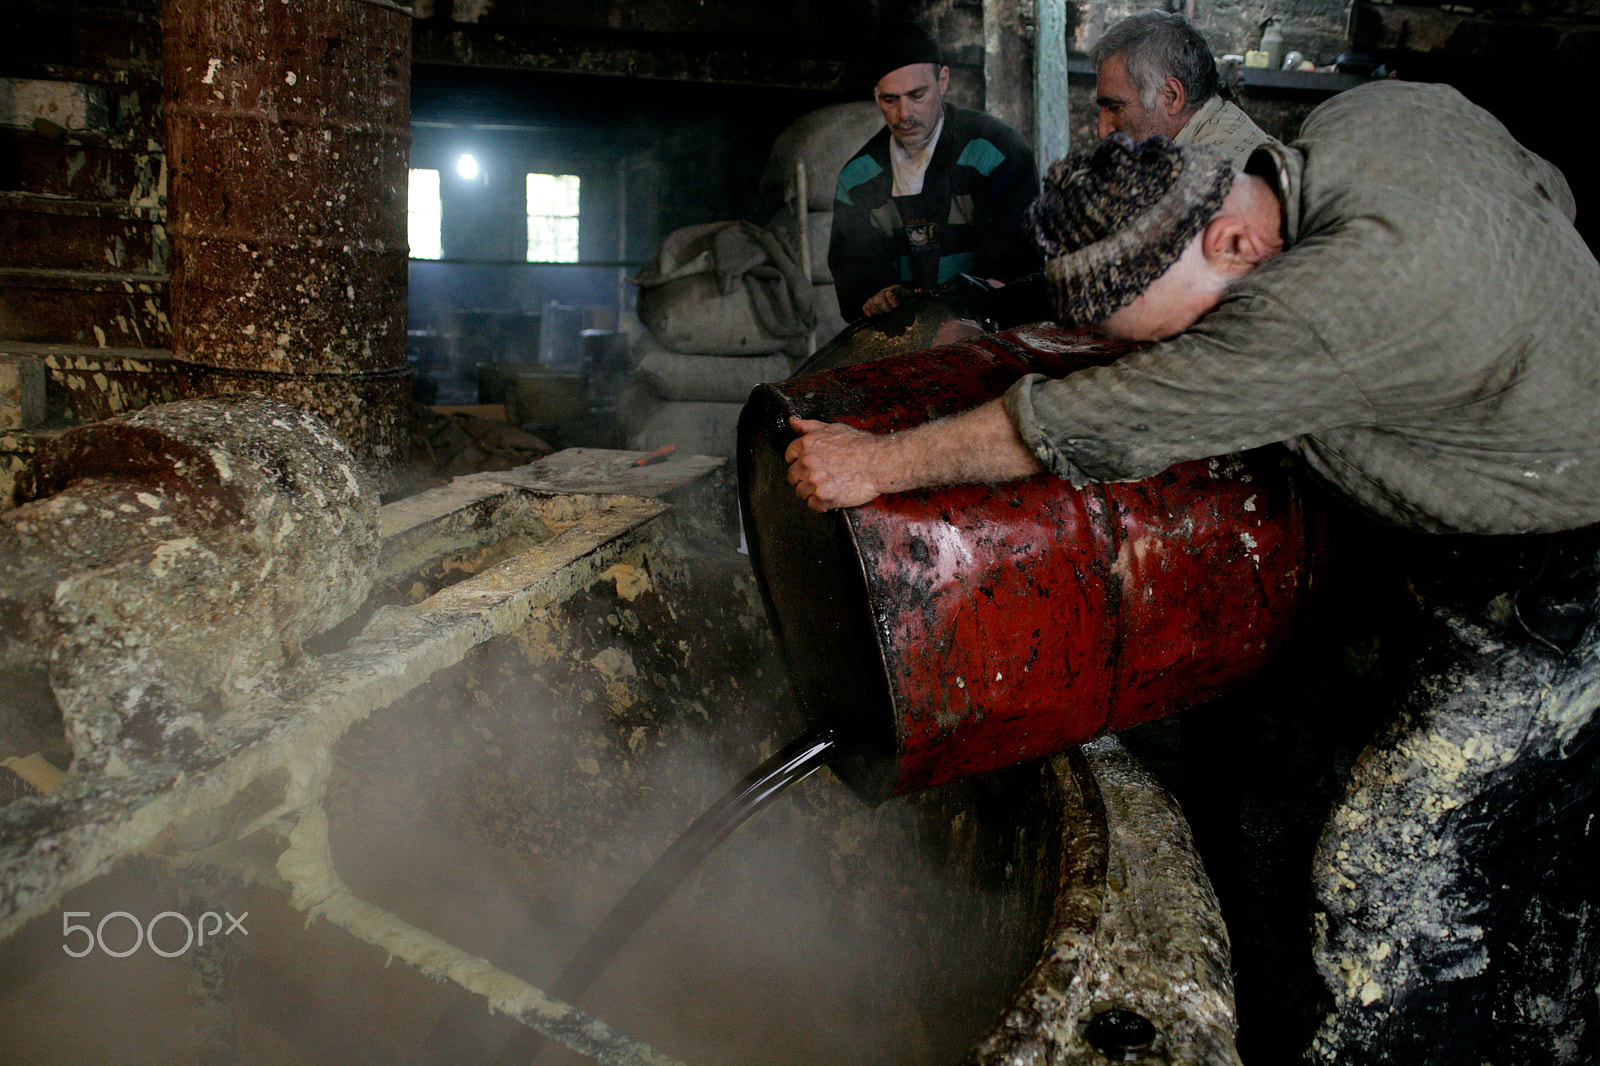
823, 140
724, 308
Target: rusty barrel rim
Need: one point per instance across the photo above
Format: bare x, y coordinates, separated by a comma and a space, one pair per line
830, 647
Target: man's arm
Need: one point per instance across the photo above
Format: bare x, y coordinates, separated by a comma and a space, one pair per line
833, 465
885, 300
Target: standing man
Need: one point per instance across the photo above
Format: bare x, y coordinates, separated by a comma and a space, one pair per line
939, 191
1402, 300
1155, 77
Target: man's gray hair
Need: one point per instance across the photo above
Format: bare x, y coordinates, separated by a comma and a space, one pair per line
1157, 45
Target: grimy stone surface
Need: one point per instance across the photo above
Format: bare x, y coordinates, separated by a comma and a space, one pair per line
280, 732
1137, 934
21, 391
161, 563
583, 580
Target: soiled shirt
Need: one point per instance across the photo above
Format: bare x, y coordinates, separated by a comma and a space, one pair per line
1428, 343
1220, 125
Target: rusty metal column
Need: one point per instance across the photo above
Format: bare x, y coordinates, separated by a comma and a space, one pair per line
288, 133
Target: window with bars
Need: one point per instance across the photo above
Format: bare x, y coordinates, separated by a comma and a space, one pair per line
553, 218
423, 214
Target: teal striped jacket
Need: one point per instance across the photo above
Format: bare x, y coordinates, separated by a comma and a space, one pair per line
968, 219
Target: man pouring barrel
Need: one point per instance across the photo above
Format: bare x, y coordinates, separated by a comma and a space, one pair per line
1399, 298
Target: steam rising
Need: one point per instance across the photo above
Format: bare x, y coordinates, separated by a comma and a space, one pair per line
822, 932
505, 809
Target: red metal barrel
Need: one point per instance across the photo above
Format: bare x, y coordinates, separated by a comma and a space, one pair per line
951, 631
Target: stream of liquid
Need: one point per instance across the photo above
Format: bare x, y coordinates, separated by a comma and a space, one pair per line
788, 767
791, 765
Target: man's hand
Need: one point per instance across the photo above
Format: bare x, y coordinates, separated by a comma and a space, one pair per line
884, 301
955, 331
829, 464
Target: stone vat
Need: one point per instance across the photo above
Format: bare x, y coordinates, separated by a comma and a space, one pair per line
558, 668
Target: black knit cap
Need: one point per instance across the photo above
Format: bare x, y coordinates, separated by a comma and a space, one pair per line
899, 44
1113, 218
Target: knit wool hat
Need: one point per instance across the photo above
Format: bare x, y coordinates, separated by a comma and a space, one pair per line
1113, 218
901, 44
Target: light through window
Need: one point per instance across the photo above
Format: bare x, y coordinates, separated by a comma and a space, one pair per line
552, 218
423, 213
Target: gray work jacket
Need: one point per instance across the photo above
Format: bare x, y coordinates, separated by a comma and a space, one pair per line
1428, 343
